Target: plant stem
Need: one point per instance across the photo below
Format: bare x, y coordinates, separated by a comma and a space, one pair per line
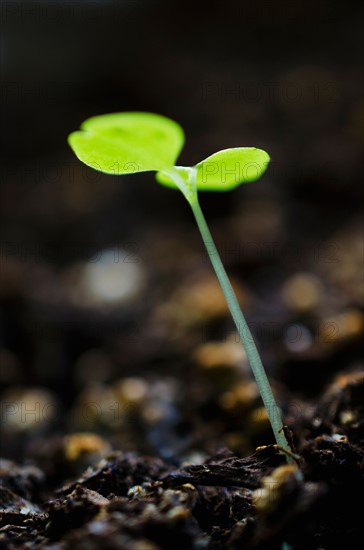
253, 356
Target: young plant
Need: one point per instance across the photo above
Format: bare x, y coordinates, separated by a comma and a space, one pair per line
130, 142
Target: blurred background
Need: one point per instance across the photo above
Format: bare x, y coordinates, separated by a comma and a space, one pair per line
112, 322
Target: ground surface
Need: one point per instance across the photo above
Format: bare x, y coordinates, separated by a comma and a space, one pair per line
128, 500
116, 344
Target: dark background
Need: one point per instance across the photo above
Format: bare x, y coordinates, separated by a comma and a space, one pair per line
283, 76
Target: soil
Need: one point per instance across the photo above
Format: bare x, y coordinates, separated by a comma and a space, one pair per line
129, 500
130, 419
179, 457
130, 416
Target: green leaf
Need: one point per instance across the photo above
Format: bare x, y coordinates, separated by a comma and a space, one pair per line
224, 170
125, 143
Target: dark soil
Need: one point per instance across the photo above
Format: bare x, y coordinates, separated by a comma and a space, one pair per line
128, 500
134, 423
130, 419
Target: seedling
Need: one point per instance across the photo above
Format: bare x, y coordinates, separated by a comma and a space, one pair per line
126, 143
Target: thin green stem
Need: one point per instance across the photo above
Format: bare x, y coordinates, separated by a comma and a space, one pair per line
244, 332
187, 188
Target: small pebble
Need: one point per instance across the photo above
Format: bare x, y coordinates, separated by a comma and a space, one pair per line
347, 325
298, 338
221, 355
78, 446
108, 281
197, 303
266, 498
240, 397
302, 292
26, 409
131, 392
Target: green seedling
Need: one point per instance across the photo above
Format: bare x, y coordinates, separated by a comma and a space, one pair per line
130, 142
